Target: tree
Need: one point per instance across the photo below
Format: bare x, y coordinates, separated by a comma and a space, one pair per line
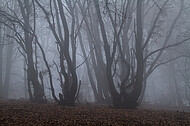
132, 84
26, 42
116, 97
70, 82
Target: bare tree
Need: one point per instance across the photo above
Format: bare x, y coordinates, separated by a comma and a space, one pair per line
70, 81
26, 42
132, 85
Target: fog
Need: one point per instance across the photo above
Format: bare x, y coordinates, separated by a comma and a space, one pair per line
123, 53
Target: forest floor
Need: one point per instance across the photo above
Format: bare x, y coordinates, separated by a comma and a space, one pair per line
14, 112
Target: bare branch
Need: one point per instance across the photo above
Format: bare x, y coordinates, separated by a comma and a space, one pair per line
169, 46
156, 66
85, 59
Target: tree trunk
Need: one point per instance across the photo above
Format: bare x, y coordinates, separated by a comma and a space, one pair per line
25, 79
1, 62
8, 67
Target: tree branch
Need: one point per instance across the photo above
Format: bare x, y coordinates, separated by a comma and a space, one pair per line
169, 46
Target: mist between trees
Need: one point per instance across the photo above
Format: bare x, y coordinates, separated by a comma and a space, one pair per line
116, 52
